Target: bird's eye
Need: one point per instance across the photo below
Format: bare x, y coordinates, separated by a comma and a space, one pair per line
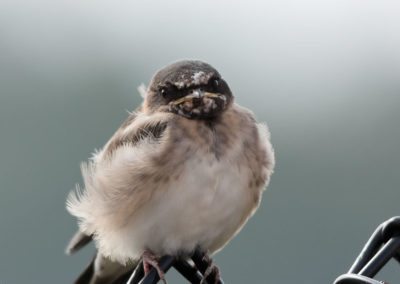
164, 92
215, 83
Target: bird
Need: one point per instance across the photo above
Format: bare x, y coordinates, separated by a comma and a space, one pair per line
184, 172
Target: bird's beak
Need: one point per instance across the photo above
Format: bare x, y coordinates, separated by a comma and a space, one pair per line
198, 94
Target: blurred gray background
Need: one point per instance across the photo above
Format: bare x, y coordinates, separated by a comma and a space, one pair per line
324, 75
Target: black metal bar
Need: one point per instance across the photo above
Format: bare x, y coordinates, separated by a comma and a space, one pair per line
369, 250
391, 228
202, 262
381, 257
198, 259
382, 234
165, 264
188, 271
355, 279
137, 274
383, 245
123, 279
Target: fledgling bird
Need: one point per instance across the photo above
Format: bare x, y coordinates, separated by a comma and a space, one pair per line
184, 172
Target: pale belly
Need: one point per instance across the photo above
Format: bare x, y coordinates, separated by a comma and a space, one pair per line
204, 207
172, 200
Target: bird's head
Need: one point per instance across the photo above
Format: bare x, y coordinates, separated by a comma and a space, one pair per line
189, 88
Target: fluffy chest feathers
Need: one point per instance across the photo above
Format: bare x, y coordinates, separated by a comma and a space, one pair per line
195, 184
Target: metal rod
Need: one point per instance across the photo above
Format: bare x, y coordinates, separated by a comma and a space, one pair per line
137, 274
355, 279
381, 257
368, 251
188, 271
198, 259
202, 262
123, 279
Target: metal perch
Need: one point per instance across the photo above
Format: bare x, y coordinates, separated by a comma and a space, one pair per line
383, 245
192, 269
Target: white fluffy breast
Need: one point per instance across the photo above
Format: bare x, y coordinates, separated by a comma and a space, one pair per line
204, 207
205, 204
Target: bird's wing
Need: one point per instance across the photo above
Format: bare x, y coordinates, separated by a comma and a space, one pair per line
137, 128
102, 270
81, 239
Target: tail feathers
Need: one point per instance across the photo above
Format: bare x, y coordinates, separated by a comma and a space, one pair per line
78, 241
102, 270
87, 275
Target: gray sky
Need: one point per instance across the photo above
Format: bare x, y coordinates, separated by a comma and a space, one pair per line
324, 75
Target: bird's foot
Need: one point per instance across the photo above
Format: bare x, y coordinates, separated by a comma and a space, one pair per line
149, 261
212, 274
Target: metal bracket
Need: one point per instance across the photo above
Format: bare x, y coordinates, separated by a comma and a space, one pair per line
383, 245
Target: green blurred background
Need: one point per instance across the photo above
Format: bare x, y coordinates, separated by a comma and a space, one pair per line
325, 76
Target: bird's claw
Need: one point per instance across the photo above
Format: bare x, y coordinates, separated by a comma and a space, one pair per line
150, 260
212, 274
